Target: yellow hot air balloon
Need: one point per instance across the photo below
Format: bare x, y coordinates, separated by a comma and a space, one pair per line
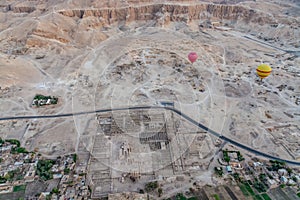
263, 70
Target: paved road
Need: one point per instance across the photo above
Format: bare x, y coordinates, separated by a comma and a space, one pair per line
238, 144
295, 53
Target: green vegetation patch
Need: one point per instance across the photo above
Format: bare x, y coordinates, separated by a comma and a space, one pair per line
151, 186
219, 171
180, 196
249, 189
236, 176
259, 186
2, 179
42, 97
276, 165
18, 188
216, 197
226, 156
257, 197
240, 156
74, 157
67, 171
244, 190
13, 141
16, 150
266, 196
38, 97
43, 169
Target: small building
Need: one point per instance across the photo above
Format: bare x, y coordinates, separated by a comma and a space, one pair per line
297, 178
272, 183
235, 165
282, 172
233, 155
19, 163
228, 169
29, 177
55, 176
4, 188
283, 180
43, 195
258, 166
291, 182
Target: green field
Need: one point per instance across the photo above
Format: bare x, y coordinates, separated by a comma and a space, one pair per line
266, 196
18, 188
245, 186
244, 190
257, 197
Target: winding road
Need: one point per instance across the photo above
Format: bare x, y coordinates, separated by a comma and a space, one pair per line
222, 137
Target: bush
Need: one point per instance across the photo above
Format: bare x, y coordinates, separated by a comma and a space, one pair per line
55, 190
151, 186
216, 197
2, 179
18, 150
13, 141
160, 191
240, 157
75, 157
225, 156
40, 97
141, 191
236, 176
219, 172
66, 171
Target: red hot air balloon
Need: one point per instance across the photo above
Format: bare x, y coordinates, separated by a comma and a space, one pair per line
193, 57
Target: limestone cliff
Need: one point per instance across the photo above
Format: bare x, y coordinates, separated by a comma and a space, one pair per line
176, 12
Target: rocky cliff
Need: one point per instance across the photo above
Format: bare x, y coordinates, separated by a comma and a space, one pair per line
175, 12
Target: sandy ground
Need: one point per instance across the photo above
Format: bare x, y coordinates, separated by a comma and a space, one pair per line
144, 63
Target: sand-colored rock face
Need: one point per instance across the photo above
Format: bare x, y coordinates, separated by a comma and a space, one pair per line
176, 13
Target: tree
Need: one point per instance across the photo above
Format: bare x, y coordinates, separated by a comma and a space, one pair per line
66, 171
289, 170
75, 157
226, 156
159, 191
151, 186
218, 171
55, 190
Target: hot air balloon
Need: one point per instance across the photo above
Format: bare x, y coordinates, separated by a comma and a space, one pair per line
193, 57
263, 71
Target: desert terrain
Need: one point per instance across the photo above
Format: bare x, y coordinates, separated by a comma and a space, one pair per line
116, 54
